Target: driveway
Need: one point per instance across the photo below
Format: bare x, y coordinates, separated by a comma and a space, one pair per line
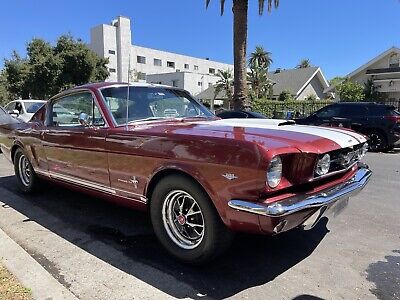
101, 251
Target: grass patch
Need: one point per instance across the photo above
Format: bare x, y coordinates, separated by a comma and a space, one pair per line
11, 288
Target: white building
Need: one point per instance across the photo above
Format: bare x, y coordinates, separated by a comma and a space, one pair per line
146, 64
383, 72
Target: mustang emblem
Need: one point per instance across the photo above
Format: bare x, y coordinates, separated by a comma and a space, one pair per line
134, 181
230, 176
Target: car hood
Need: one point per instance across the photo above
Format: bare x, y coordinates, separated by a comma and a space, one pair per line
268, 133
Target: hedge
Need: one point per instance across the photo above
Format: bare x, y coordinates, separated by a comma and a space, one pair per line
291, 108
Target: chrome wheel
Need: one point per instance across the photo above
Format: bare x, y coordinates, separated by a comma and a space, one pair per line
24, 170
183, 219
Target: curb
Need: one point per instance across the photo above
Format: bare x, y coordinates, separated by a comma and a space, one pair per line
29, 272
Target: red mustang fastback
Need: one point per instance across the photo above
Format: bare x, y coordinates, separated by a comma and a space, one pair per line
200, 178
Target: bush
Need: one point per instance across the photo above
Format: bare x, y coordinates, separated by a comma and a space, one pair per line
296, 108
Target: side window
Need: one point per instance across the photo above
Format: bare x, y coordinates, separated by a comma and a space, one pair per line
329, 112
355, 111
10, 106
66, 111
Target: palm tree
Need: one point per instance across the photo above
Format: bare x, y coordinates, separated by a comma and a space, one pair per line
240, 8
304, 63
260, 58
225, 83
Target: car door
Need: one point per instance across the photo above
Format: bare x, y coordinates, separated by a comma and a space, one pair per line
75, 152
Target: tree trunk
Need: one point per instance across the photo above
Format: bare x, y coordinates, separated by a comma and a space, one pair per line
240, 8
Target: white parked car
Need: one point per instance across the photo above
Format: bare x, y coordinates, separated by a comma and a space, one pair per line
24, 109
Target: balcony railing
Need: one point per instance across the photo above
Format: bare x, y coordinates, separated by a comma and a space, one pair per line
383, 71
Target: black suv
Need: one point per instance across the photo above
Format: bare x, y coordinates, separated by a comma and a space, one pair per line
380, 122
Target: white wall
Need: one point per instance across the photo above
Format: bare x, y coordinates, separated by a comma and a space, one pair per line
192, 82
117, 37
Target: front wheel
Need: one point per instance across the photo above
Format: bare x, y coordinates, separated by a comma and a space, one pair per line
27, 179
377, 141
186, 222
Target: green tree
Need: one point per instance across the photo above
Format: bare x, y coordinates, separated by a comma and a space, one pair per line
240, 9
285, 96
48, 70
304, 63
4, 95
44, 69
336, 80
79, 64
16, 71
225, 84
260, 58
350, 91
259, 62
371, 92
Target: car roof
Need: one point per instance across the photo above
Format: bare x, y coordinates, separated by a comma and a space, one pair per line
99, 85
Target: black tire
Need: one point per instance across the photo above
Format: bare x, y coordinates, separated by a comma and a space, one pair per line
27, 183
377, 141
216, 237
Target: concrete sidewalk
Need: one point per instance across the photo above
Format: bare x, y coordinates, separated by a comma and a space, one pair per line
29, 272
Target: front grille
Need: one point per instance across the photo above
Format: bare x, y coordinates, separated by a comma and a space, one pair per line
343, 159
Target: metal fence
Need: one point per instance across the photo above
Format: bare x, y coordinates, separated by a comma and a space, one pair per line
393, 102
297, 109
289, 109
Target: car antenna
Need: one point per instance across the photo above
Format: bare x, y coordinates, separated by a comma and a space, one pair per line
127, 94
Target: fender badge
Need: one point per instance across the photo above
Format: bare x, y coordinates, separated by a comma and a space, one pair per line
134, 181
230, 176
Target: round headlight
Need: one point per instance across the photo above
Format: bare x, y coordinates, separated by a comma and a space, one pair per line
323, 165
274, 172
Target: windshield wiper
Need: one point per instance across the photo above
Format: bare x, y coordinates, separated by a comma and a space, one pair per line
148, 119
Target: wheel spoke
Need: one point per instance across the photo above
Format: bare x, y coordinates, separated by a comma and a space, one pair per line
186, 232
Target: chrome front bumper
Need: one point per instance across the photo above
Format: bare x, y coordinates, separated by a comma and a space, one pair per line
298, 203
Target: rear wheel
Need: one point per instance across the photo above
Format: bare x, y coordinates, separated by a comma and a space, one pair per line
27, 179
377, 141
186, 222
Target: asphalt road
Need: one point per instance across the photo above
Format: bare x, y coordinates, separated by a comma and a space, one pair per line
101, 251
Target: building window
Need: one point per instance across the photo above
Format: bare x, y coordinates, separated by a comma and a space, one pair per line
111, 52
394, 61
196, 68
112, 70
186, 66
199, 83
141, 59
170, 64
141, 76
211, 70
157, 62
175, 83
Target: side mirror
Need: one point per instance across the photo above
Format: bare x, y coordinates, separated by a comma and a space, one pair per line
84, 119
14, 112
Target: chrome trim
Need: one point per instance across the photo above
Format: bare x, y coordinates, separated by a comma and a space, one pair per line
294, 204
73, 92
333, 173
90, 184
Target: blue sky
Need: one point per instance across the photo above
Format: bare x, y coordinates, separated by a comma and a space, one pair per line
336, 35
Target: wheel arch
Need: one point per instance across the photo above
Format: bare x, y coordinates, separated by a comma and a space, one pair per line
162, 173
14, 149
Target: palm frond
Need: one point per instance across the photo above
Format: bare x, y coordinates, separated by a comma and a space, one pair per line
261, 6
207, 3
222, 2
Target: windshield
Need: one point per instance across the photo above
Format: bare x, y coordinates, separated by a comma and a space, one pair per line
150, 103
32, 107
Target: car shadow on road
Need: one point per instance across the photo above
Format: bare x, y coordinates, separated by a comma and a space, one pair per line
251, 261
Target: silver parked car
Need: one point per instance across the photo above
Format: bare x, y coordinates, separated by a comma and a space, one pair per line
24, 109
